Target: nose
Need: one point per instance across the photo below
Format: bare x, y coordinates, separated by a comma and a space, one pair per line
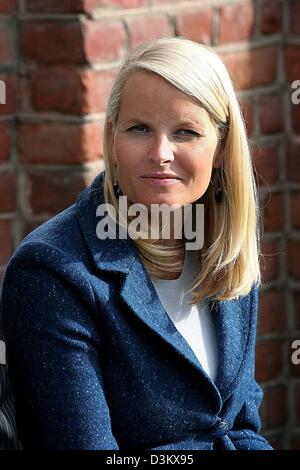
161, 150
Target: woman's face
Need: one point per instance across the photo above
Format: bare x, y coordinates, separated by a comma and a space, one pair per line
162, 130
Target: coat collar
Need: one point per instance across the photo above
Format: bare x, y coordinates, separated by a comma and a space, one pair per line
231, 318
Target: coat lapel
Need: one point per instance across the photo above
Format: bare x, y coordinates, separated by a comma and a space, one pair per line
138, 292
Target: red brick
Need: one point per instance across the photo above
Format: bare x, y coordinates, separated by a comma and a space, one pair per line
297, 404
236, 22
272, 315
295, 208
72, 41
5, 139
78, 6
276, 442
66, 89
60, 143
51, 191
270, 260
271, 121
96, 88
269, 359
163, 2
252, 68
274, 406
7, 243
112, 44
54, 6
293, 161
292, 62
56, 89
7, 191
147, 27
296, 118
294, 17
52, 41
25, 93
271, 14
8, 6
293, 258
296, 309
265, 161
90, 4
294, 443
273, 213
11, 94
30, 225
195, 25
248, 114
6, 43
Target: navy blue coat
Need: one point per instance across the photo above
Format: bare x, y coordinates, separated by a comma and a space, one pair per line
95, 361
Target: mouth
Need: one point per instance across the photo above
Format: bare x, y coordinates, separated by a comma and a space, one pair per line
162, 177
158, 180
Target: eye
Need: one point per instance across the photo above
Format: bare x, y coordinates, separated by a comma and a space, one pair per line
138, 129
187, 133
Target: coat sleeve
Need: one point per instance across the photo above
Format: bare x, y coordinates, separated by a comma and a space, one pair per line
53, 353
247, 424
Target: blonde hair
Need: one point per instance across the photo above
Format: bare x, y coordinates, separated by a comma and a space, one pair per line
229, 258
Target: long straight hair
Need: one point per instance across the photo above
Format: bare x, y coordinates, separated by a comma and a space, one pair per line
229, 258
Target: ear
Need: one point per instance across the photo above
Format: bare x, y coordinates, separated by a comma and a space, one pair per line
218, 157
110, 130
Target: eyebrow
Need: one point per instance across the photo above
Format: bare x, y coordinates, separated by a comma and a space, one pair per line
180, 124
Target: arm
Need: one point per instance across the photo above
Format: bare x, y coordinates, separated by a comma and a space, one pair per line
247, 424
246, 427
53, 350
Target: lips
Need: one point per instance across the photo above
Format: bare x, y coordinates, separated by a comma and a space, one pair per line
162, 176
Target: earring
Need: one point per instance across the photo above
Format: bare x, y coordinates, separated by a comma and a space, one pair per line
117, 189
219, 195
218, 192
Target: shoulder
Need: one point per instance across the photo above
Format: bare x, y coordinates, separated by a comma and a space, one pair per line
63, 240
54, 245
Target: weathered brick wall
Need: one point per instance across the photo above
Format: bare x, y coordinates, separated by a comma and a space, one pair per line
58, 59
291, 195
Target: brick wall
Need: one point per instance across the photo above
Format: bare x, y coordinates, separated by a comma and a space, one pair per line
58, 59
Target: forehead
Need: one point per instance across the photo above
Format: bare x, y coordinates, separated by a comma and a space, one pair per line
147, 93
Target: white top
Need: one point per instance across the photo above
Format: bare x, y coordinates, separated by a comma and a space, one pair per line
194, 322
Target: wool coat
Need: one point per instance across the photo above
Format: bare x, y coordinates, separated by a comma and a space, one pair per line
95, 361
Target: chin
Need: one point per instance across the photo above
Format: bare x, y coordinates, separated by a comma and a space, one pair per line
163, 200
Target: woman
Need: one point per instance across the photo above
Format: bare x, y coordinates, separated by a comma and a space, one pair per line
137, 342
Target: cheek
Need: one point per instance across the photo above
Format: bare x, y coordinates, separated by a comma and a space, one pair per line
199, 171
127, 151
120, 148
200, 161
